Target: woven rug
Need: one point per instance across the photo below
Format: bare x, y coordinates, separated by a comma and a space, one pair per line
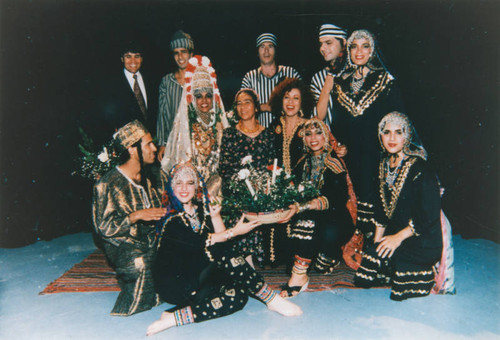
94, 275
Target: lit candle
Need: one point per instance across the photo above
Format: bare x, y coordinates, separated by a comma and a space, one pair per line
275, 164
249, 185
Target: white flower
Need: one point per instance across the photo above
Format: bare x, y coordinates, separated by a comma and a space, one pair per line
193, 61
243, 174
103, 156
230, 114
246, 160
205, 61
301, 188
278, 171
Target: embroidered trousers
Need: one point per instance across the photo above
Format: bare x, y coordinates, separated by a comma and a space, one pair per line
221, 289
313, 239
409, 271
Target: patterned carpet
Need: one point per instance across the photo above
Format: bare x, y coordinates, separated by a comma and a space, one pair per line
94, 275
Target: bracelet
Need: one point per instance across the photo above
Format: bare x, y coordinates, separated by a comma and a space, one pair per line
229, 234
303, 207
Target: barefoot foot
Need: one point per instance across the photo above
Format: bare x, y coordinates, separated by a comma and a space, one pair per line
166, 321
284, 307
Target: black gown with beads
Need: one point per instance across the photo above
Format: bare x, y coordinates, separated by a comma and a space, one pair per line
355, 124
320, 234
412, 201
212, 280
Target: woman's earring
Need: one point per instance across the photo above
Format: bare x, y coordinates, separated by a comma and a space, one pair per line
301, 114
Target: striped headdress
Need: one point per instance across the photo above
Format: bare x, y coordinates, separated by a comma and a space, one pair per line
266, 37
332, 31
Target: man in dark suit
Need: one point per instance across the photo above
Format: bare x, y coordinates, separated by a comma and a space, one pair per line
130, 96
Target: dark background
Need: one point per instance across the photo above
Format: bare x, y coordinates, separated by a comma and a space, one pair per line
54, 55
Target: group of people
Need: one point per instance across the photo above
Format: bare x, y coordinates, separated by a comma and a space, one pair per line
162, 229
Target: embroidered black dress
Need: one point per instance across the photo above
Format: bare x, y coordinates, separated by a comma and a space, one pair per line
203, 281
355, 121
323, 232
234, 147
414, 200
288, 149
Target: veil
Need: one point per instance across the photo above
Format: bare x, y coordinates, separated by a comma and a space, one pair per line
179, 147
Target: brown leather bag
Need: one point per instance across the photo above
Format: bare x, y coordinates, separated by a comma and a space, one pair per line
352, 250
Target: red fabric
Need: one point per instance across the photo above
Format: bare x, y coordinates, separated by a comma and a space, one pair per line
351, 251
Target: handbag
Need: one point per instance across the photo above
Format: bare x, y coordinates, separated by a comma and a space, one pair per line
352, 250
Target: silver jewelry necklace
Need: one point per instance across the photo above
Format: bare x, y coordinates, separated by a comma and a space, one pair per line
194, 221
391, 175
357, 84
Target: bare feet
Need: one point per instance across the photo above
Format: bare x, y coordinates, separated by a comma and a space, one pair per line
284, 307
166, 321
296, 280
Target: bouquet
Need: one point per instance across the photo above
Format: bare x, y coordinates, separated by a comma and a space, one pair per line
93, 163
265, 192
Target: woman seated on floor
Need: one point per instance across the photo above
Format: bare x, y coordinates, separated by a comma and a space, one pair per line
408, 238
324, 224
196, 268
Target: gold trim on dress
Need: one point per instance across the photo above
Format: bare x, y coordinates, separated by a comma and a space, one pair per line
396, 189
287, 140
358, 108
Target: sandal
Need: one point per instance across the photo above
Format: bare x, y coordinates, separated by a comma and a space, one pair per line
291, 290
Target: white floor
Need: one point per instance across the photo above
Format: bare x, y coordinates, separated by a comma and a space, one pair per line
473, 313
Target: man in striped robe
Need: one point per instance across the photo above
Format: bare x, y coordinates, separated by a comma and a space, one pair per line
171, 86
332, 46
267, 76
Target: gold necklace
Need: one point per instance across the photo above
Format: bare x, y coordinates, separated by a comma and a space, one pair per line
242, 129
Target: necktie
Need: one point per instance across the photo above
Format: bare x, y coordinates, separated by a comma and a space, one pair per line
139, 97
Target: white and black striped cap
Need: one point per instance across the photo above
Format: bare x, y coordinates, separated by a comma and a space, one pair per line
330, 30
267, 37
180, 39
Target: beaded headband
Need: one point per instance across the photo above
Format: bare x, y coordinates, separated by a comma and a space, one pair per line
200, 76
413, 145
183, 170
361, 34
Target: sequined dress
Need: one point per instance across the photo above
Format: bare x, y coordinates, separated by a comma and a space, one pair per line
204, 281
355, 124
321, 233
413, 200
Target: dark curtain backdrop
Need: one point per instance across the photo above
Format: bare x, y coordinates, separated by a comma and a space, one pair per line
55, 54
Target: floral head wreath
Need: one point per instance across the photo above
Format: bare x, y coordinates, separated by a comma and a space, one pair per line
413, 145
201, 64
